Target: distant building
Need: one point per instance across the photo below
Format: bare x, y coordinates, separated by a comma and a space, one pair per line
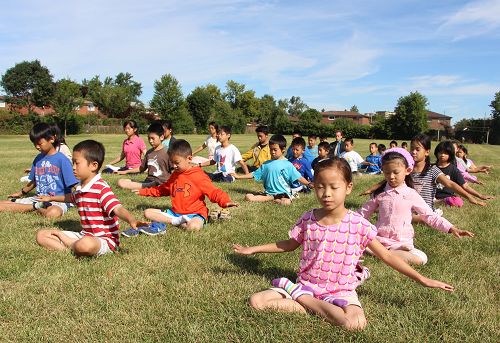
438, 121
358, 118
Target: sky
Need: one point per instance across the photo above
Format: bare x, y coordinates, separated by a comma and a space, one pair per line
333, 54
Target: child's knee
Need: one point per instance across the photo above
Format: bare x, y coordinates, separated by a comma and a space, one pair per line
194, 225
257, 301
150, 213
87, 246
249, 197
52, 212
41, 236
122, 182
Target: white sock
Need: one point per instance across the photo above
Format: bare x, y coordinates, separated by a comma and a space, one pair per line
179, 220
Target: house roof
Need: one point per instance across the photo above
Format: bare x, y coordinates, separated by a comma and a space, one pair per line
346, 114
434, 115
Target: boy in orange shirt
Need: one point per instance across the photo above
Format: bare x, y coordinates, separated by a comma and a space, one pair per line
187, 186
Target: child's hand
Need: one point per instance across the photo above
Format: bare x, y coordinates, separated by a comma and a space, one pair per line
43, 198
27, 170
242, 250
136, 191
232, 204
15, 195
477, 202
460, 233
437, 284
120, 172
367, 192
487, 197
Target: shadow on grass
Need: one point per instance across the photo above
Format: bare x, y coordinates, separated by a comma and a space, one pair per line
243, 190
253, 266
69, 225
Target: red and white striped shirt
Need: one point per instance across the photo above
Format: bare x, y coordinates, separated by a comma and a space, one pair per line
96, 202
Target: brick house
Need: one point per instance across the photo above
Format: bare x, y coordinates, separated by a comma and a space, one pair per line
86, 108
438, 121
331, 116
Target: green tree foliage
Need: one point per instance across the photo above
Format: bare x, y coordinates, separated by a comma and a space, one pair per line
242, 100
354, 108
168, 101
226, 115
67, 97
113, 96
410, 116
28, 84
494, 137
310, 116
201, 105
296, 106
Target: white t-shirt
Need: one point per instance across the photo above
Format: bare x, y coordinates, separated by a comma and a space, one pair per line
226, 159
211, 144
353, 158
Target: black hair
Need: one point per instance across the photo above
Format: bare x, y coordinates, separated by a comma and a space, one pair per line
448, 148
373, 143
297, 132
389, 157
157, 128
324, 145
167, 124
59, 138
132, 123
312, 136
404, 144
351, 140
226, 129
92, 151
262, 128
334, 162
381, 148
41, 131
215, 125
464, 149
298, 141
280, 140
425, 141
393, 142
323, 137
180, 147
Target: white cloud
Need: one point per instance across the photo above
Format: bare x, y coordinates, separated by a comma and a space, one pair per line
474, 19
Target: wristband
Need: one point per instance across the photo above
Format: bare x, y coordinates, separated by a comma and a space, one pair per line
23, 192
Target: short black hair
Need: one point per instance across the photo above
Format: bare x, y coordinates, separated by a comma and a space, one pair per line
226, 129
156, 127
297, 132
278, 139
351, 140
92, 150
167, 124
404, 144
324, 146
312, 136
180, 147
131, 122
299, 141
262, 128
381, 148
41, 130
393, 142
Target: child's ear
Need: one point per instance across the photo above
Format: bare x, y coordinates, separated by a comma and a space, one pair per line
94, 166
408, 170
349, 188
189, 158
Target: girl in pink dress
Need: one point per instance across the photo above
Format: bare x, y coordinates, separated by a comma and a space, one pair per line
333, 239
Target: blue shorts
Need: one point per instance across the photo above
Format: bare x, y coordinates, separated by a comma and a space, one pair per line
169, 213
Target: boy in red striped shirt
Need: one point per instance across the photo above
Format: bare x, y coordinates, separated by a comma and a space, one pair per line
97, 206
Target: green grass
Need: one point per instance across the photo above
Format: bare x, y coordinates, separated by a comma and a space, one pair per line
190, 287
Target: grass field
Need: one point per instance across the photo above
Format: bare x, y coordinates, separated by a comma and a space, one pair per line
190, 287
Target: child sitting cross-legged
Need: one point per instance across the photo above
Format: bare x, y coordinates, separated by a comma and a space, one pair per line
97, 206
277, 174
301, 163
187, 187
333, 239
323, 151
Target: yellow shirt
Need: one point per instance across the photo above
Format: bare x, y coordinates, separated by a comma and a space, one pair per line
258, 153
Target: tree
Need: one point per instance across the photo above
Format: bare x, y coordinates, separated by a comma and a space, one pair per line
354, 108
67, 97
296, 106
28, 84
410, 116
241, 99
494, 135
310, 116
168, 101
267, 109
201, 104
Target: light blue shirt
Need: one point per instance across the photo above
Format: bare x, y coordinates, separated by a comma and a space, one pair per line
277, 176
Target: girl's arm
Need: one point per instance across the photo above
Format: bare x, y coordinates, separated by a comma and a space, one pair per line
401, 266
200, 148
476, 193
128, 171
280, 246
118, 159
442, 179
373, 188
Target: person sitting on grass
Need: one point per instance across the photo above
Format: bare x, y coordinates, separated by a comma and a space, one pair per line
97, 206
307, 153
463, 159
259, 152
168, 134
323, 151
225, 158
211, 142
277, 174
50, 174
373, 161
333, 240
352, 157
393, 144
156, 162
187, 187
301, 163
311, 146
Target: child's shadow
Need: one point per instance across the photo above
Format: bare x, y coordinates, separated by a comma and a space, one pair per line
242, 190
69, 225
252, 265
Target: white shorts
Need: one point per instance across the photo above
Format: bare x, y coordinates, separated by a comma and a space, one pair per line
64, 206
104, 249
340, 300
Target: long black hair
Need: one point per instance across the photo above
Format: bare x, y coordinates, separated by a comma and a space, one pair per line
389, 157
448, 148
425, 141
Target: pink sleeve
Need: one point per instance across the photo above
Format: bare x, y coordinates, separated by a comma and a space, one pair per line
428, 215
142, 145
368, 208
297, 232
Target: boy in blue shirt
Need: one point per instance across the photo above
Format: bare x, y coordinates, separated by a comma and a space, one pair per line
323, 151
301, 163
311, 146
373, 161
51, 174
277, 174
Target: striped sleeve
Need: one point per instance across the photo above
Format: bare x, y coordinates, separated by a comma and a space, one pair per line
108, 200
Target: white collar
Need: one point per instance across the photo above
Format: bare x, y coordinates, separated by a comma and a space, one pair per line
86, 188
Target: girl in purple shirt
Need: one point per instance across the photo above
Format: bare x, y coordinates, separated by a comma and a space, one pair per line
396, 200
333, 239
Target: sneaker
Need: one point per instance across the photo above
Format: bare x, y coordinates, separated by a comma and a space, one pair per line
362, 273
41, 204
131, 232
225, 214
214, 215
155, 228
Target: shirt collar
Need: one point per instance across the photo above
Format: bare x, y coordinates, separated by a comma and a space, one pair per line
86, 188
401, 189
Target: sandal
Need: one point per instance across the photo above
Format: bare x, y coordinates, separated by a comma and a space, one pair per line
214, 215
225, 214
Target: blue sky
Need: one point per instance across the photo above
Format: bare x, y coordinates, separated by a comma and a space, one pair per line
333, 54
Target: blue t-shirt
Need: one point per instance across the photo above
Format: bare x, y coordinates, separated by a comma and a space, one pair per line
303, 166
277, 176
313, 151
307, 154
52, 174
377, 159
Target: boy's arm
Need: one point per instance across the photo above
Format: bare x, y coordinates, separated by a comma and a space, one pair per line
442, 179
305, 182
122, 213
280, 246
213, 193
249, 154
244, 176
157, 191
401, 266
24, 190
244, 166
